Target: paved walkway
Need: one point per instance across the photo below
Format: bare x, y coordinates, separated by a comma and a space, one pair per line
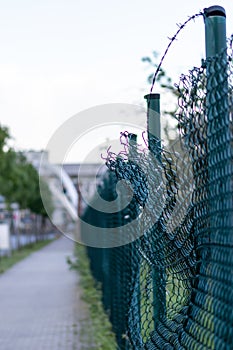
40, 302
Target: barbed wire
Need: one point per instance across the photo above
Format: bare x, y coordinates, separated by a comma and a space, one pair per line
180, 28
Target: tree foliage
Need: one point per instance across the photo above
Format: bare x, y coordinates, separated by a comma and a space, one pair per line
162, 78
19, 180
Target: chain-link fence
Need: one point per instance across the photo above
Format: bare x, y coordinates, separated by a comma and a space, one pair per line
171, 287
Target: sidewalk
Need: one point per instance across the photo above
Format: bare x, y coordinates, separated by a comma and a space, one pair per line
40, 302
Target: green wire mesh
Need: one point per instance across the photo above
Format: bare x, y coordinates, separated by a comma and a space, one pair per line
172, 288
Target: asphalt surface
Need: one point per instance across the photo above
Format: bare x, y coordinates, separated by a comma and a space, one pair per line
40, 303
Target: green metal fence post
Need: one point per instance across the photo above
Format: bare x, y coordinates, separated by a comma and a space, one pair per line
154, 145
217, 107
215, 31
134, 246
219, 191
153, 122
132, 146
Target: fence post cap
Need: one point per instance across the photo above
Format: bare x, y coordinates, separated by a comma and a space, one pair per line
152, 97
215, 11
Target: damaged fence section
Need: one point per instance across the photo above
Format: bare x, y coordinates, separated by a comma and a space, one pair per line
168, 282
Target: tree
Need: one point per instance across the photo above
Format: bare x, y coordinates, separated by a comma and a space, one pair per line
19, 180
4, 137
7, 160
45, 207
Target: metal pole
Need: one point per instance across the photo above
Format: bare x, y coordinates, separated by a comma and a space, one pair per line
132, 146
217, 113
153, 123
219, 152
215, 31
133, 247
154, 145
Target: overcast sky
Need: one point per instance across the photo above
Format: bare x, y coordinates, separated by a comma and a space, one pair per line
59, 57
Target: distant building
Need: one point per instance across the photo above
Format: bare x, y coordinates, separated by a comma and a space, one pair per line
65, 196
84, 177
72, 185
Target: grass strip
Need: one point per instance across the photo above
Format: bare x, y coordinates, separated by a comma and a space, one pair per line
100, 332
7, 262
